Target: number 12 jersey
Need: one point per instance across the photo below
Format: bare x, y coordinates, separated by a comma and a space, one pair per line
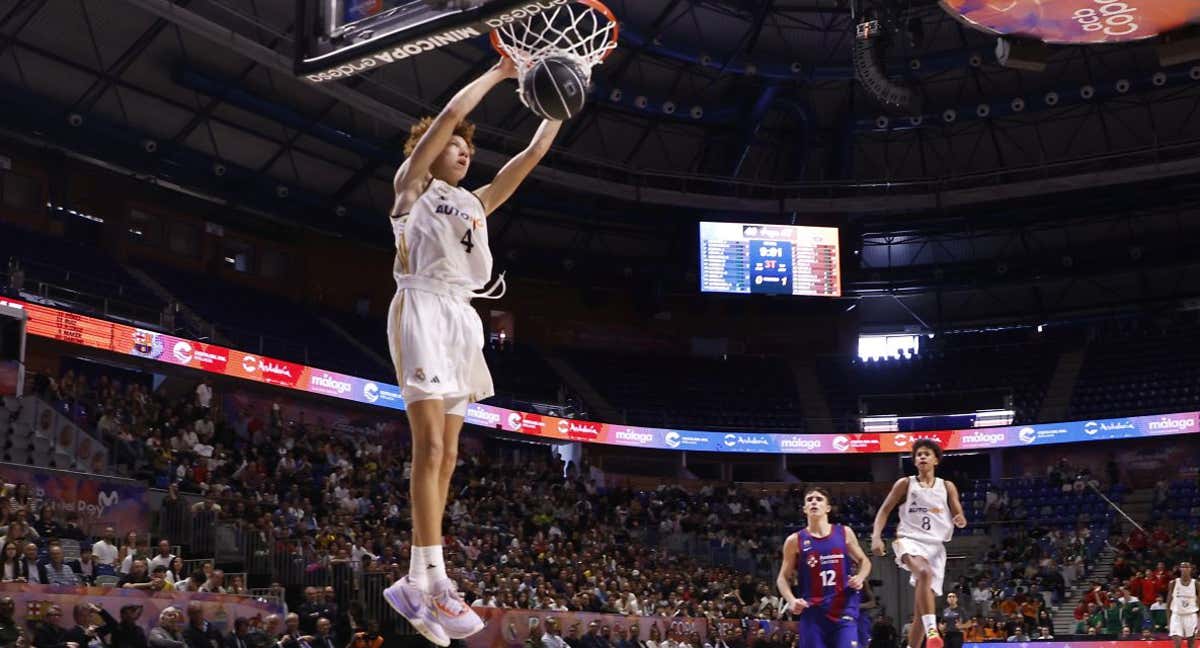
823, 569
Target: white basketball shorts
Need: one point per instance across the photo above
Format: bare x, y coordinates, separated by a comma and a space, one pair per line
934, 552
1183, 625
436, 343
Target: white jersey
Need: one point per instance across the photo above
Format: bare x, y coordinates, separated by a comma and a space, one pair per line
1183, 599
444, 238
925, 513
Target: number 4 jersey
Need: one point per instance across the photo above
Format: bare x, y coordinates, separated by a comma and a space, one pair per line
823, 569
444, 238
925, 513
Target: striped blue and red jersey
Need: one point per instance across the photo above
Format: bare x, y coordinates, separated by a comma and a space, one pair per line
823, 570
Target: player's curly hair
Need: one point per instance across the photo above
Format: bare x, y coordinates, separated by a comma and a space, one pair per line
464, 129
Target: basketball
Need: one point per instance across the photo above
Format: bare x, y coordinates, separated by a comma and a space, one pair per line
555, 88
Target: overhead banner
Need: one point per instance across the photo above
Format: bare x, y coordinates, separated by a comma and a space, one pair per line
128, 340
1076, 21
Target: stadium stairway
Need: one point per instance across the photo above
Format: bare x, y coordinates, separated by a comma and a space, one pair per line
599, 406
812, 397
348, 337
1062, 386
1064, 615
194, 324
1138, 504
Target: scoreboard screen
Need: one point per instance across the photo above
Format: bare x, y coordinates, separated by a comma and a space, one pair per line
744, 258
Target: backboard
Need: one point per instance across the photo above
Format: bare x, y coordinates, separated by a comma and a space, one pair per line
341, 38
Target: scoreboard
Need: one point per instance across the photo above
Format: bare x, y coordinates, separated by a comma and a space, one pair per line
744, 258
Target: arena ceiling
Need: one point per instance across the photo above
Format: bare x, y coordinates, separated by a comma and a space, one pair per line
767, 119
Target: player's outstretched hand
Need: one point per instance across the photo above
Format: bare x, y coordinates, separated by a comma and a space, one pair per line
877, 547
797, 606
856, 582
506, 67
960, 520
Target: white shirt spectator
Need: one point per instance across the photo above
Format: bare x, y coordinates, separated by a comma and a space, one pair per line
204, 395
553, 641
160, 559
105, 553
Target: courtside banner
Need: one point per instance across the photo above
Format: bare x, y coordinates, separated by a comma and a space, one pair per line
1076, 21
128, 340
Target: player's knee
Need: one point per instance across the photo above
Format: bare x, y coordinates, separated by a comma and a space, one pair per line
449, 459
432, 456
924, 574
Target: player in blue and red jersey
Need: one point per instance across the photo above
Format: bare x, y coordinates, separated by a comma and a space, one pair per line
820, 557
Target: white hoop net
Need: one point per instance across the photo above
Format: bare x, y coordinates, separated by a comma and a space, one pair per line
584, 31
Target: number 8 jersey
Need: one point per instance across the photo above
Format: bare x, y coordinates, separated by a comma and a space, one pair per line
925, 513
444, 238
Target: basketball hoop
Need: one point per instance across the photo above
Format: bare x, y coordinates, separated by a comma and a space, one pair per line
584, 31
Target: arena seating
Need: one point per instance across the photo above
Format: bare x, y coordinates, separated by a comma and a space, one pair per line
693, 392
1139, 369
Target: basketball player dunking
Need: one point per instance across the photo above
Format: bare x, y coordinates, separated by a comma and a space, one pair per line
929, 511
436, 337
820, 555
1181, 607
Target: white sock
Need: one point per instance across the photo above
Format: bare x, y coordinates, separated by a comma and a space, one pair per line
930, 623
426, 566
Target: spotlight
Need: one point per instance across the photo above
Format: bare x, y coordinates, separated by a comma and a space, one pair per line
282, 191
1122, 86
916, 120
1018, 104
697, 112
1159, 79
949, 115
641, 102
1194, 73
983, 110
669, 107
751, 69
882, 122
615, 95
219, 169
975, 61
75, 119
340, 211
1051, 98
149, 145
797, 67
1087, 92
914, 65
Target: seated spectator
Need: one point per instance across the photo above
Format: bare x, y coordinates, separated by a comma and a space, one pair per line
164, 556
199, 633
58, 572
48, 632
137, 578
1158, 614
34, 568
240, 637
167, 634
106, 550
215, 583
13, 568
126, 633
85, 566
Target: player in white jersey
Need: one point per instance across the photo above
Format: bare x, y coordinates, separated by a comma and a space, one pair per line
436, 337
929, 510
1181, 607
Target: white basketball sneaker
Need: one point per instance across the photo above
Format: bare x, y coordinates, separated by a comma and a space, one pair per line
419, 609
453, 613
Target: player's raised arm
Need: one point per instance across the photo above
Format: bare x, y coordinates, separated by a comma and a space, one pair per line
783, 582
897, 494
956, 509
514, 173
859, 557
410, 179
